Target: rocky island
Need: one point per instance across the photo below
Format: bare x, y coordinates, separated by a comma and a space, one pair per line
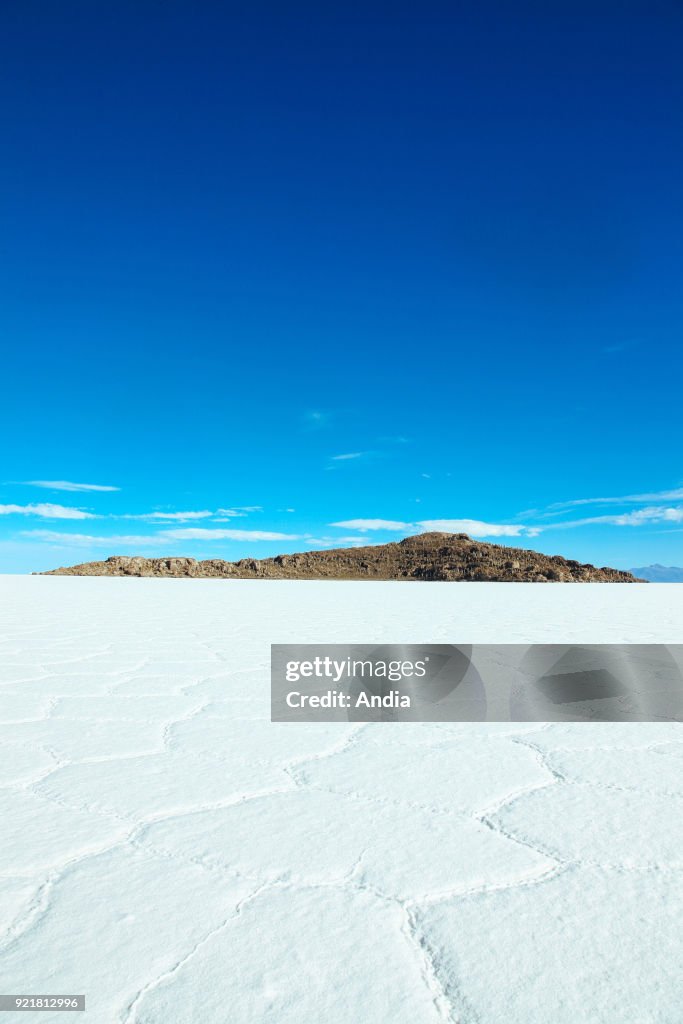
426, 556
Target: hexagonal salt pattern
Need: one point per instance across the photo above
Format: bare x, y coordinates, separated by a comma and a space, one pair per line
179, 859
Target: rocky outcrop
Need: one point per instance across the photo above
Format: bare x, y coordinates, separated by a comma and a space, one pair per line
427, 556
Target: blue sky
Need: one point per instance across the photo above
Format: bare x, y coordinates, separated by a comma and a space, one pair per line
276, 276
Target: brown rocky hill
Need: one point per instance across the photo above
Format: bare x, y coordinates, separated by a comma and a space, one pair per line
427, 556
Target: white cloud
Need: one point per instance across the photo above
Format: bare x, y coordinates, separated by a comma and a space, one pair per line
237, 510
316, 418
656, 514
83, 540
674, 495
67, 485
373, 524
221, 515
477, 528
636, 517
196, 533
170, 516
347, 456
44, 510
671, 495
163, 537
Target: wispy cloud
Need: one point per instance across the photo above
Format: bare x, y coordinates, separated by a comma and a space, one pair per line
161, 538
44, 510
181, 517
675, 494
636, 517
372, 524
315, 419
617, 347
650, 515
477, 528
84, 540
197, 533
347, 456
221, 515
236, 511
68, 485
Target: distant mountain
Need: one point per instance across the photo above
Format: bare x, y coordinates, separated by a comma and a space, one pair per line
427, 556
660, 573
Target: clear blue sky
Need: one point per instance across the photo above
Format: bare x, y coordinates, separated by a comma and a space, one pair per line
413, 263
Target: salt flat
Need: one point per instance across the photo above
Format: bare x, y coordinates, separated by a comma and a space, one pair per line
178, 858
